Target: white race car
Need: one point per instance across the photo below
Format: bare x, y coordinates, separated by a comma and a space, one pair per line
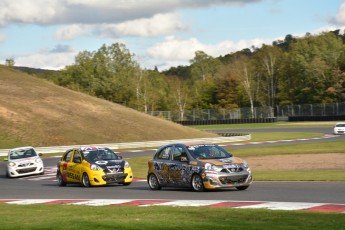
339, 128
23, 161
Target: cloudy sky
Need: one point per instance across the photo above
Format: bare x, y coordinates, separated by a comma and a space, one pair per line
48, 34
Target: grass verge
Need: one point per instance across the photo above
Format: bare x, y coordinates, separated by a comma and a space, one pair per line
128, 217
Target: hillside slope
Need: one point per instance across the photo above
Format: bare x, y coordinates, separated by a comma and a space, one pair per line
36, 112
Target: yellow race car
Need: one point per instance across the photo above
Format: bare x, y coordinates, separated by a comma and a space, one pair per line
93, 166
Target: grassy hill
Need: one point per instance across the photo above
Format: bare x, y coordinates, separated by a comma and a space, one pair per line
37, 112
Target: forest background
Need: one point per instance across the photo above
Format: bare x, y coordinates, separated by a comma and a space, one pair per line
296, 70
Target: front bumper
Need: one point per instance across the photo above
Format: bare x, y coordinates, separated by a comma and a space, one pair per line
213, 180
18, 171
102, 178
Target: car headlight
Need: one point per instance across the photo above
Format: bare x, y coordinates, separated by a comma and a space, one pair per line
11, 164
245, 164
126, 164
212, 167
38, 160
95, 167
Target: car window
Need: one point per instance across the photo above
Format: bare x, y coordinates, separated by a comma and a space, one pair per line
76, 156
22, 153
179, 153
67, 156
165, 153
208, 152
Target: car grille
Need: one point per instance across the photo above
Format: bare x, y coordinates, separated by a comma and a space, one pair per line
115, 177
113, 170
232, 170
26, 164
26, 170
233, 179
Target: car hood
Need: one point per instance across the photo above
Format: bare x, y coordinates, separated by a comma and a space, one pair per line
223, 161
110, 163
24, 160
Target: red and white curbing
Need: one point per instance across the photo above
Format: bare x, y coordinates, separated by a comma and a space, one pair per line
313, 207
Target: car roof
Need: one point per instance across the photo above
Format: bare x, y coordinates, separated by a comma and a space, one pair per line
22, 148
90, 148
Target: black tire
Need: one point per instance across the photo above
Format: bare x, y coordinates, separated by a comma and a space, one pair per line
242, 187
153, 182
60, 180
197, 183
86, 180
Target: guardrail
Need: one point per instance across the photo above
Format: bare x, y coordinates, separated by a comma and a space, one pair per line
146, 144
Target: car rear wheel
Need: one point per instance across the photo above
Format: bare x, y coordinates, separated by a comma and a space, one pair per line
242, 187
60, 180
153, 182
86, 180
197, 183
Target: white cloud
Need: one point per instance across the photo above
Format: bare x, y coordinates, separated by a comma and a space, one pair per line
70, 32
174, 50
340, 17
157, 25
43, 60
52, 12
25, 11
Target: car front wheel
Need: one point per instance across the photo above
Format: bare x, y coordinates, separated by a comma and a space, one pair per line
86, 180
153, 182
197, 183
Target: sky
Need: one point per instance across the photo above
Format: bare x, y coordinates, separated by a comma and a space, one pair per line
49, 34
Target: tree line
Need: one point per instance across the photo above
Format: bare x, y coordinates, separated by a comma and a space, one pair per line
296, 70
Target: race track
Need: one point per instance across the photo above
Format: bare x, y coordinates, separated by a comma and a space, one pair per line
45, 187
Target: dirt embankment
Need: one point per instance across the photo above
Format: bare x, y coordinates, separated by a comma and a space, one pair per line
291, 162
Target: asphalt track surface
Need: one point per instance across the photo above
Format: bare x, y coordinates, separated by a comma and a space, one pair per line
45, 186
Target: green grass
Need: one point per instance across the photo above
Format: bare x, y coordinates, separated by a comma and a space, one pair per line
299, 175
303, 148
273, 136
128, 217
282, 124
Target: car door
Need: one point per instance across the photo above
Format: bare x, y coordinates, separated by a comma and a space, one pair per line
161, 164
64, 164
74, 168
179, 168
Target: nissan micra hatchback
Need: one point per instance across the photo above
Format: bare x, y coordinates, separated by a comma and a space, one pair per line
200, 167
23, 161
93, 166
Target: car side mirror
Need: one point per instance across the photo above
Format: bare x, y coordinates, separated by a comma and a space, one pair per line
40, 154
119, 157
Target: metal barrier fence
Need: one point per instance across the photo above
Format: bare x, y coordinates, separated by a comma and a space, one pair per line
279, 112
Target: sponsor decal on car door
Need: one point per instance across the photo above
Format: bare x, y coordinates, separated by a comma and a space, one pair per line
74, 168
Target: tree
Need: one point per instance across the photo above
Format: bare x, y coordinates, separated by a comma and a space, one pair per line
268, 59
10, 62
244, 71
204, 66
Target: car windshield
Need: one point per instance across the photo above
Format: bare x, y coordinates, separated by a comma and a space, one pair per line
21, 153
93, 155
340, 125
208, 152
